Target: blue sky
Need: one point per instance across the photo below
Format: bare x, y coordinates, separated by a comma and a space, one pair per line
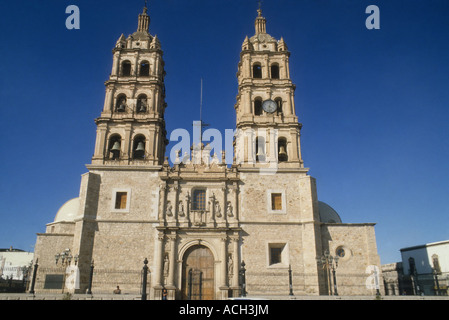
374, 103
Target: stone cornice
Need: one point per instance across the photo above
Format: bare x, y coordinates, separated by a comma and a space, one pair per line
100, 167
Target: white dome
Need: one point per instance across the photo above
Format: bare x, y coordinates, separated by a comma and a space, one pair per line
328, 214
68, 211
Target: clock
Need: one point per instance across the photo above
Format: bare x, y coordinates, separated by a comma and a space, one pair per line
269, 106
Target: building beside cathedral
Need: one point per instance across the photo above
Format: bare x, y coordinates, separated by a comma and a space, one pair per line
196, 220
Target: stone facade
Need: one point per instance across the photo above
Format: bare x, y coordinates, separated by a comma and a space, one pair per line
196, 221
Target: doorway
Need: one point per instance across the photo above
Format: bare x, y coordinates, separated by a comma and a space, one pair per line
198, 274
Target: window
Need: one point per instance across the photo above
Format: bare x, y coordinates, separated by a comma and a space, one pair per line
257, 71
126, 68
260, 149
114, 147
282, 150
141, 103
275, 255
278, 254
276, 201
199, 200
279, 104
139, 147
274, 71
411, 263
340, 252
258, 106
120, 200
120, 105
144, 69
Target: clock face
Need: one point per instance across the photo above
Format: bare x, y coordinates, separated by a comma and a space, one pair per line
269, 106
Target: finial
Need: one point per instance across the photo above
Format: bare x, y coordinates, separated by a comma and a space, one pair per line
259, 11
144, 20
260, 21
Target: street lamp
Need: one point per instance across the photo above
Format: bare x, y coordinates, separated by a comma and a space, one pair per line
328, 262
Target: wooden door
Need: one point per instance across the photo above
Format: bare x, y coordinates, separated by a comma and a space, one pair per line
198, 274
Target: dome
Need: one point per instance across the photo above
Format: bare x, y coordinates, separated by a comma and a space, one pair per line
328, 214
68, 211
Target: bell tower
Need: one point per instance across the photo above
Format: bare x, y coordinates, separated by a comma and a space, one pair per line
131, 127
267, 126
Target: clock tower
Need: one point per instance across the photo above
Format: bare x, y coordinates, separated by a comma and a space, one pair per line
268, 132
131, 128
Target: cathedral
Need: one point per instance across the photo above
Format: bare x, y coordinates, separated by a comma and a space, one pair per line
198, 227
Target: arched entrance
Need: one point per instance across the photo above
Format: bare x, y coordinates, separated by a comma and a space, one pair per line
198, 274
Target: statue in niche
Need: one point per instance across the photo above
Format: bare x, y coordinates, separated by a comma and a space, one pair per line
230, 265
166, 265
229, 209
217, 209
169, 209
181, 208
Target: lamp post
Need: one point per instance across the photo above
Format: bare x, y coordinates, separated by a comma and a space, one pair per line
330, 263
91, 274
144, 279
242, 273
290, 282
33, 280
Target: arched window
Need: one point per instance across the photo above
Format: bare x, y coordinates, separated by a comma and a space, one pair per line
199, 199
139, 147
282, 150
126, 68
279, 105
260, 149
114, 146
274, 71
141, 103
257, 106
257, 71
144, 69
120, 105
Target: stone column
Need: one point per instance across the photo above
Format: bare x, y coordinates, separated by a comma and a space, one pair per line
128, 143
162, 203
108, 103
224, 256
115, 64
159, 261
223, 268
235, 275
172, 261
246, 101
152, 106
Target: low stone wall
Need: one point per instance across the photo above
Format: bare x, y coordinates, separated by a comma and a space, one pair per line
27, 296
